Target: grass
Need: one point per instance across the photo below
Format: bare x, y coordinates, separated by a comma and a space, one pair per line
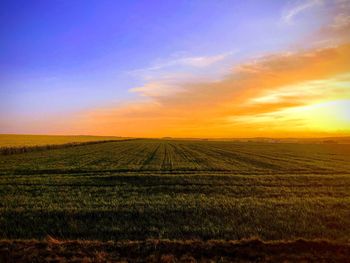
184, 156
15, 140
165, 251
15, 144
176, 207
159, 189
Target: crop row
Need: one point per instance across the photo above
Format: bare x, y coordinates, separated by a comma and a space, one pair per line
163, 156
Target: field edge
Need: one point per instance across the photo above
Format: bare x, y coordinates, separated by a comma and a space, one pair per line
173, 250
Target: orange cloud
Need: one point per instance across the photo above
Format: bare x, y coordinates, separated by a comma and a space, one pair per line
247, 102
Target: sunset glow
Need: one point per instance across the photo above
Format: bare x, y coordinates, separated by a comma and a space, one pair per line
194, 69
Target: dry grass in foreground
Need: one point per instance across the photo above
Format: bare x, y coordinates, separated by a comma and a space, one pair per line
254, 250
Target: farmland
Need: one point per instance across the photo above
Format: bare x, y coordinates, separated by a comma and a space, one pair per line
16, 140
177, 190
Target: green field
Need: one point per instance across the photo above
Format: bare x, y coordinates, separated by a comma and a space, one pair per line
132, 190
16, 140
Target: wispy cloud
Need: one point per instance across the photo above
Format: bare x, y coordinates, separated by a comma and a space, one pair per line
203, 61
256, 98
182, 62
167, 77
341, 20
157, 89
297, 8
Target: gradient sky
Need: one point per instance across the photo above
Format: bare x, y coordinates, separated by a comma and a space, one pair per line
175, 68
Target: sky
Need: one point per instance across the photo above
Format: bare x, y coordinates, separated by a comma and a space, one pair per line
194, 68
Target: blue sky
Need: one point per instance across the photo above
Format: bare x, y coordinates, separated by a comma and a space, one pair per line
56, 50
63, 57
